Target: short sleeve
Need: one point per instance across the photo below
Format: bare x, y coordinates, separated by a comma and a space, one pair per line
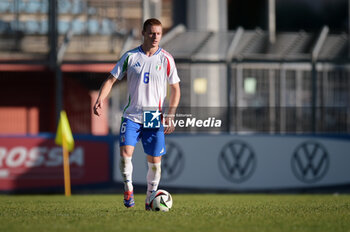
121, 67
173, 77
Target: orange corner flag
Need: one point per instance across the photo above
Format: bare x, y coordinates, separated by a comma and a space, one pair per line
64, 135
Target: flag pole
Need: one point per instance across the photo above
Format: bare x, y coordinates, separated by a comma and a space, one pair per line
66, 171
64, 138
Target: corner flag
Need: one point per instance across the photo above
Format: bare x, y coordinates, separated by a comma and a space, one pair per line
64, 138
64, 135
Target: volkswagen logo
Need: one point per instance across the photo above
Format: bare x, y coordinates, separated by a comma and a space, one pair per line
237, 161
173, 162
310, 162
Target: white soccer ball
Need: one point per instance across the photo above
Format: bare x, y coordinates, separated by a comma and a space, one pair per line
161, 200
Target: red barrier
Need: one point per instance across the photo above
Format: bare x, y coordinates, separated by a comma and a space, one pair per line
33, 162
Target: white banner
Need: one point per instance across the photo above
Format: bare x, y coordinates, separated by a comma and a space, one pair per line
248, 162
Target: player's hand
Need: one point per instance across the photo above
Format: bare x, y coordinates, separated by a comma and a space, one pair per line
98, 107
169, 122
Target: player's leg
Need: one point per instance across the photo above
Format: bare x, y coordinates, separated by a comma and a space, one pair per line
129, 135
126, 166
153, 176
154, 146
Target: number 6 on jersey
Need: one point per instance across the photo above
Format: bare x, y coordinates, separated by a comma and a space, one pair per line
146, 78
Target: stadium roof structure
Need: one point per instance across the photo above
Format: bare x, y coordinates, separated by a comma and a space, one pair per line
190, 46
254, 45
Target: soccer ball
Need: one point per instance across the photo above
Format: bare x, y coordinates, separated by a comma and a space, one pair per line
161, 200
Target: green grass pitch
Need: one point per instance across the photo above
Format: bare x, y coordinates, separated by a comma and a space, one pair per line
190, 212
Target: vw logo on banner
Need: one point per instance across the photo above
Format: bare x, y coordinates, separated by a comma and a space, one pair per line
237, 161
310, 162
173, 161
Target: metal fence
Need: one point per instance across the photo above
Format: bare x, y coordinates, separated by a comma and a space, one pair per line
270, 97
298, 84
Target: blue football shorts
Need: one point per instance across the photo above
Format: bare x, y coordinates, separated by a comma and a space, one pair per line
153, 141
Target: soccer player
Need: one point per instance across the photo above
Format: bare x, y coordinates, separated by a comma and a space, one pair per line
149, 70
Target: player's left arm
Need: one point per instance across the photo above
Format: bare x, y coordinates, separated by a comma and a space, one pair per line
175, 94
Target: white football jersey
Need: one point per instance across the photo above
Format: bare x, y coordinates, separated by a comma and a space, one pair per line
147, 79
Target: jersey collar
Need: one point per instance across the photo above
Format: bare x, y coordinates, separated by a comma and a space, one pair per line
158, 51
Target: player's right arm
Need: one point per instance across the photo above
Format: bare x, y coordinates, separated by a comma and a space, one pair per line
103, 94
117, 74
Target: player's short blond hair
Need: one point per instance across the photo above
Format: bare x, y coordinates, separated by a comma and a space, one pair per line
151, 22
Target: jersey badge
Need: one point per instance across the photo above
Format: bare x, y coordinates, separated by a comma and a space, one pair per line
158, 67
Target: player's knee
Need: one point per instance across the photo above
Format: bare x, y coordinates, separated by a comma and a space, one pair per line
126, 151
154, 159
